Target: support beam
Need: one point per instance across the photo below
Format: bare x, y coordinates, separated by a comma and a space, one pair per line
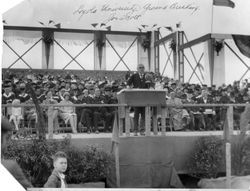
164, 39
70, 30
143, 54
214, 64
155, 52
99, 51
48, 50
195, 41
181, 55
175, 57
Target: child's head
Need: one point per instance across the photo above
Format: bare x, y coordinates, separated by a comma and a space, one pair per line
60, 161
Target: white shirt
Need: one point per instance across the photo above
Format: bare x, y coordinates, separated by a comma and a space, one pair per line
62, 177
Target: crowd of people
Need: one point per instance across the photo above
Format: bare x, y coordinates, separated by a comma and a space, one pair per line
67, 89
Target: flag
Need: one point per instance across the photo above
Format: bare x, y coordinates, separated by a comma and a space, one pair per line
115, 133
154, 25
94, 24
108, 28
41, 23
58, 25
243, 44
169, 28
102, 24
178, 25
51, 21
224, 3
139, 29
144, 26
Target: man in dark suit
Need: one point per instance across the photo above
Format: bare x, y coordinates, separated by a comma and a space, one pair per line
207, 114
137, 80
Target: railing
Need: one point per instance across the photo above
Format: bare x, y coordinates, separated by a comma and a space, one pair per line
155, 111
190, 117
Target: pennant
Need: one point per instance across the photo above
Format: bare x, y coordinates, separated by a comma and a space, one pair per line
158, 28
169, 28
108, 28
94, 24
243, 44
139, 29
41, 23
102, 24
154, 25
178, 25
4, 22
144, 26
50, 21
224, 3
58, 25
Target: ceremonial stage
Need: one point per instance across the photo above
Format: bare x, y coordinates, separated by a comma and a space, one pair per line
181, 143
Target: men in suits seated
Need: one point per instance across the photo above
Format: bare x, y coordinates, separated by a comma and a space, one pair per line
85, 113
97, 111
207, 115
137, 80
109, 112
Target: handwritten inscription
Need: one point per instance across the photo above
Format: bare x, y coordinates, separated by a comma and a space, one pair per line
132, 11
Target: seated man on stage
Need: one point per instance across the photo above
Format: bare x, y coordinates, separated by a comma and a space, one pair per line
109, 112
137, 80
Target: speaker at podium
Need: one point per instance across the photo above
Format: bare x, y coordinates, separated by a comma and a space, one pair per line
141, 98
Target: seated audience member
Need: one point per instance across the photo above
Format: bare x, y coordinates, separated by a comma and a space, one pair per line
23, 96
87, 112
109, 112
51, 113
39, 94
7, 98
98, 112
175, 112
68, 112
61, 93
207, 116
57, 177
30, 112
11, 165
16, 113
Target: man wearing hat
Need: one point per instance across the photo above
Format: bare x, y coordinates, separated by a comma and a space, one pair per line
11, 165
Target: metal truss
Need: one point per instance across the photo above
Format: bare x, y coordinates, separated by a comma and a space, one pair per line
196, 61
20, 57
73, 58
121, 57
242, 61
168, 56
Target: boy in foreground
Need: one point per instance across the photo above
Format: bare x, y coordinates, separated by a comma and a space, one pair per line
57, 177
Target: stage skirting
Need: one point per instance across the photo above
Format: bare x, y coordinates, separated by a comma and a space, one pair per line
181, 143
146, 162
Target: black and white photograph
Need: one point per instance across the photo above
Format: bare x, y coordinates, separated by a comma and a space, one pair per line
125, 94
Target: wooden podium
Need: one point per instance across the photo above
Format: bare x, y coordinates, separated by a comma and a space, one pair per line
141, 98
